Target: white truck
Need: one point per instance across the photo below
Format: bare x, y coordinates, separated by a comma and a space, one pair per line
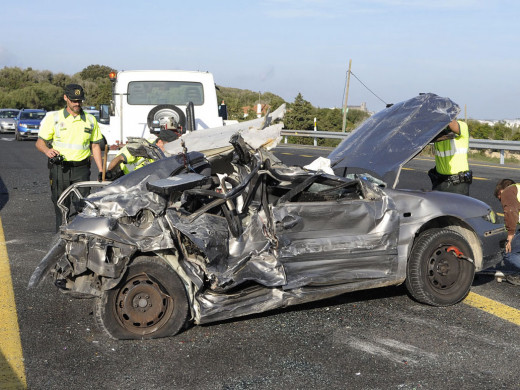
142, 100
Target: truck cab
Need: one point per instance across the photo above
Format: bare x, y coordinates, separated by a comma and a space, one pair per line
143, 97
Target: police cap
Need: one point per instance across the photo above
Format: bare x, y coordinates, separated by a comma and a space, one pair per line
75, 92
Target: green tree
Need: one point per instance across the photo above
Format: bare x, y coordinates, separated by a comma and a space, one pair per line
95, 72
300, 114
13, 78
355, 118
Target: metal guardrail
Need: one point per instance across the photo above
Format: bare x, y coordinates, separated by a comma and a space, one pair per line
500, 145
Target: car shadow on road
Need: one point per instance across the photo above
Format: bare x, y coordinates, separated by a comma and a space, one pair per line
347, 298
4, 194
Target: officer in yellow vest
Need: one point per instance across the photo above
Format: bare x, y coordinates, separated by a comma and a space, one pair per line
508, 192
125, 161
451, 172
68, 138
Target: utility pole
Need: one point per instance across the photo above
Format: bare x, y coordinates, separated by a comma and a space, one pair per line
345, 109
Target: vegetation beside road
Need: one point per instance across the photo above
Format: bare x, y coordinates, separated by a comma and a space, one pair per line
29, 88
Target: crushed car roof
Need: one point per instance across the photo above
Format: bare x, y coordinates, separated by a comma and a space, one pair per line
386, 141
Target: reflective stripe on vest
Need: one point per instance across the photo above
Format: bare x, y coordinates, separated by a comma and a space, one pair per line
451, 155
71, 151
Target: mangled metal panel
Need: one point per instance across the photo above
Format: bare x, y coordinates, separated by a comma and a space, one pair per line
261, 132
386, 141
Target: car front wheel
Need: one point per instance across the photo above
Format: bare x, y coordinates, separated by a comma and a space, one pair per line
149, 302
440, 271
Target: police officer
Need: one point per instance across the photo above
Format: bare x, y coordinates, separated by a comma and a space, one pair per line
451, 172
68, 138
125, 161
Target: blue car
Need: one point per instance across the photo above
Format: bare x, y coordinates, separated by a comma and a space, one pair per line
28, 124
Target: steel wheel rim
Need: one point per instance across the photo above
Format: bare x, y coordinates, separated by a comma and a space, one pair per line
141, 306
444, 268
163, 115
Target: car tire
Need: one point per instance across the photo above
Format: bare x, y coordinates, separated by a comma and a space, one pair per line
149, 302
17, 136
166, 110
438, 272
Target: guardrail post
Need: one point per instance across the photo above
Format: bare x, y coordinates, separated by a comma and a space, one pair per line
315, 129
502, 156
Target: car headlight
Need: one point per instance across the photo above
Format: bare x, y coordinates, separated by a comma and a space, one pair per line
22, 125
491, 216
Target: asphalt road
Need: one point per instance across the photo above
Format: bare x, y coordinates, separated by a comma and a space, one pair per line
376, 339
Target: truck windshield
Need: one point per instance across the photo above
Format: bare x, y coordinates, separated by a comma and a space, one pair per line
165, 92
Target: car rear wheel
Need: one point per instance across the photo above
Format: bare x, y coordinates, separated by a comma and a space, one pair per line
149, 302
439, 272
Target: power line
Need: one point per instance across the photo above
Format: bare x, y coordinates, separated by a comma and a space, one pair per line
357, 78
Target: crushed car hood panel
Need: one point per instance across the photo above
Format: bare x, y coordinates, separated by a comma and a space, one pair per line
389, 139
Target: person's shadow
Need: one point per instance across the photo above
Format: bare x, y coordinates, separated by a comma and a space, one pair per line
4, 194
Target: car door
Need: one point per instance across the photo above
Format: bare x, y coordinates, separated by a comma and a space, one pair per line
348, 235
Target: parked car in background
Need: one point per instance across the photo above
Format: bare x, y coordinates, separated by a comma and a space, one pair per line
28, 123
92, 110
8, 119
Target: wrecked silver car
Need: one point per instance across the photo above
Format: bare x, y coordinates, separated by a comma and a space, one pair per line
194, 239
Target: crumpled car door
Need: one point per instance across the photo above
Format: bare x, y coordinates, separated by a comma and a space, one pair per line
334, 242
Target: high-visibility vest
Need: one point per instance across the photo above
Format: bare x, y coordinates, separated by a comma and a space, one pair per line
69, 135
132, 162
451, 156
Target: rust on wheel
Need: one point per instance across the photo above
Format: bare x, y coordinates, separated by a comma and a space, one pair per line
141, 305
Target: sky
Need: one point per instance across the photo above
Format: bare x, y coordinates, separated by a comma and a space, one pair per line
467, 50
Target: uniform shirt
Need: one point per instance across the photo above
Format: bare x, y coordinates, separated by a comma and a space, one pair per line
511, 205
451, 156
70, 135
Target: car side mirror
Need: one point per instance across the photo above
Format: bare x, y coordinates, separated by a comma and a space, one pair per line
104, 114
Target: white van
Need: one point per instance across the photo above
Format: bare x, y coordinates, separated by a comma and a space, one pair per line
140, 97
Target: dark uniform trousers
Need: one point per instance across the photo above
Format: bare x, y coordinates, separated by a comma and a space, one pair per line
447, 186
62, 176
458, 183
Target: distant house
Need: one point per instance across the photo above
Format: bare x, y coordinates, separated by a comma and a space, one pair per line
362, 107
260, 108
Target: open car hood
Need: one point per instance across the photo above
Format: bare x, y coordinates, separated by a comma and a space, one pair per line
386, 141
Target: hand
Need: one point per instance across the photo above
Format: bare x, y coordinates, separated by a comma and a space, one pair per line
52, 153
109, 176
508, 244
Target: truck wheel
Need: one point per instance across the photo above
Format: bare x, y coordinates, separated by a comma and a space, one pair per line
164, 111
149, 302
438, 272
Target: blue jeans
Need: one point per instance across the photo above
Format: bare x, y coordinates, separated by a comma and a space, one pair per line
513, 258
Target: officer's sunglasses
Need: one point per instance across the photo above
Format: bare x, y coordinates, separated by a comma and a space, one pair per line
76, 100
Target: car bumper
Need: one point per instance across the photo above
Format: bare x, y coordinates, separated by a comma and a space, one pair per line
7, 128
29, 134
